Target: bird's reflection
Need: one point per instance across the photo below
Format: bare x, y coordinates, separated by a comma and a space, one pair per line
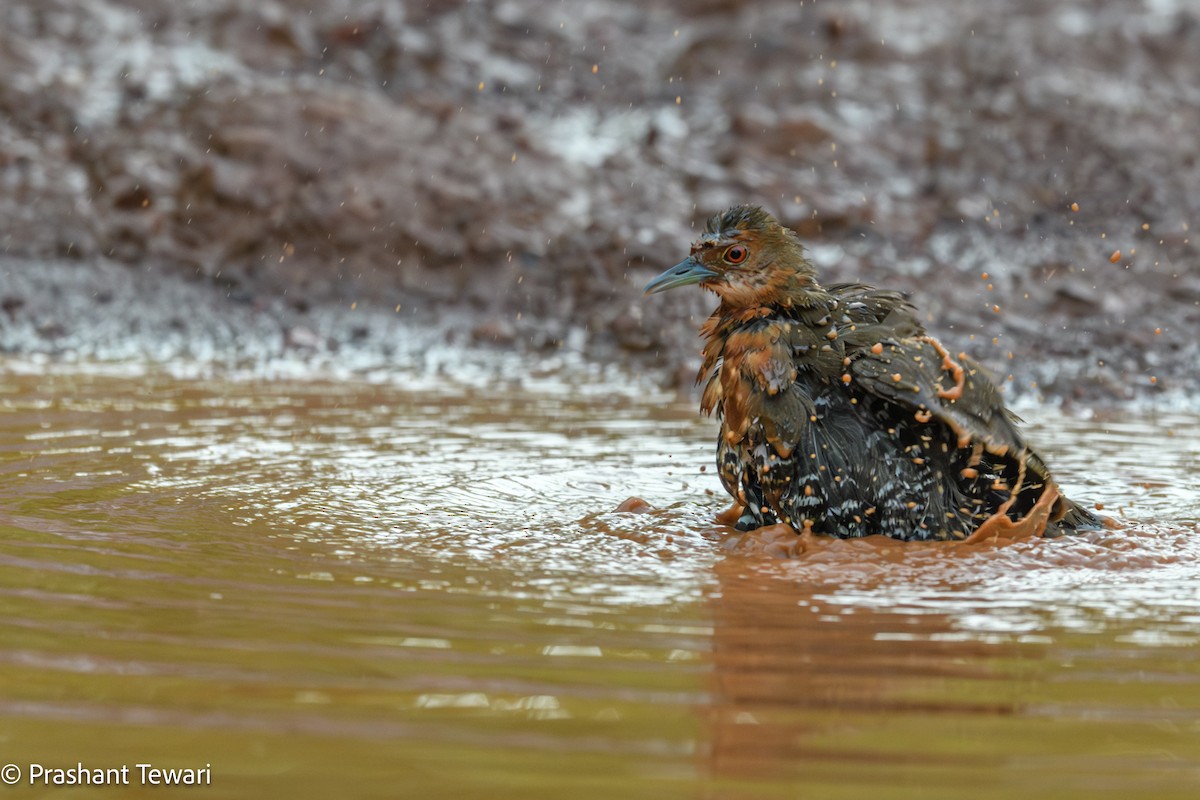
805, 676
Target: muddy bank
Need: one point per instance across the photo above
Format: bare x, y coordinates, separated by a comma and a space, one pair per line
511, 174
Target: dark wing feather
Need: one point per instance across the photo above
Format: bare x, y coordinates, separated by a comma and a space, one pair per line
918, 374
919, 377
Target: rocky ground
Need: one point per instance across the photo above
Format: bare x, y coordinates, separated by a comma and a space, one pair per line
190, 179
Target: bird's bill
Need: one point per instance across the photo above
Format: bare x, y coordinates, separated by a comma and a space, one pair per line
684, 273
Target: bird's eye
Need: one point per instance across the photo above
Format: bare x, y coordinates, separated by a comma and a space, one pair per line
736, 254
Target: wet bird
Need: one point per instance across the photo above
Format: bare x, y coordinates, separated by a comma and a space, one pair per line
840, 415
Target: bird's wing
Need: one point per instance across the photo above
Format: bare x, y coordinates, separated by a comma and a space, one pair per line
920, 375
917, 375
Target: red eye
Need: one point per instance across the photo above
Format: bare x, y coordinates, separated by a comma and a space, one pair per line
736, 254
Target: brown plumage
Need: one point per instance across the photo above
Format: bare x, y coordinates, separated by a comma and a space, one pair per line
840, 415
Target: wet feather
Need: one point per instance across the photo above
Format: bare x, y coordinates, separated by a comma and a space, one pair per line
841, 415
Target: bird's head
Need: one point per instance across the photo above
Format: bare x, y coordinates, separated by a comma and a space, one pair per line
745, 257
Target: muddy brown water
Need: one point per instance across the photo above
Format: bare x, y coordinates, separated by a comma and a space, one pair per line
418, 587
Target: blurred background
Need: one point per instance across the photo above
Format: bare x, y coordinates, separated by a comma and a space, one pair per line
325, 365
511, 173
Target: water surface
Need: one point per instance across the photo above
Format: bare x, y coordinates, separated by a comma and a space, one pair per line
419, 587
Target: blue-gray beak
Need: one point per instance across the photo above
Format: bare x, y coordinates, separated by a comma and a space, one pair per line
685, 272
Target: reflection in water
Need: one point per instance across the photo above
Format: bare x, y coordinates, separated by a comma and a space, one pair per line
874, 663
803, 684
425, 584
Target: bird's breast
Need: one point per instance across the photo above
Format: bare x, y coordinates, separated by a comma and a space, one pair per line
757, 369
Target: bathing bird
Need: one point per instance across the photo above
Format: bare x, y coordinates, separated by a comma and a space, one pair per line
840, 415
